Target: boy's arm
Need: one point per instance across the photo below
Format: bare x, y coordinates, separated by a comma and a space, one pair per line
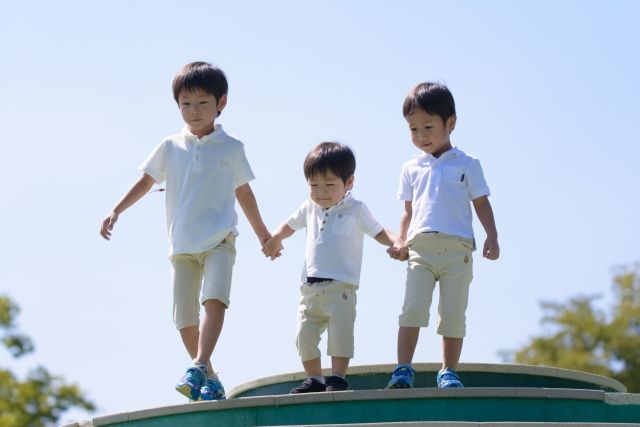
139, 189
491, 249
273, 246
249, 206
385, 237
399, 249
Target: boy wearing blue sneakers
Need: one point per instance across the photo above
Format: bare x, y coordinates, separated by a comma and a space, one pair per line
336, 224
205, 171
436, 235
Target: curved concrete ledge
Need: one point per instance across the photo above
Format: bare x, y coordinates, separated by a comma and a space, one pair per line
371, 377
552, 405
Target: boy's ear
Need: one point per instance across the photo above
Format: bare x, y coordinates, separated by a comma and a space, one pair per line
222, 103
349, 184
451, 123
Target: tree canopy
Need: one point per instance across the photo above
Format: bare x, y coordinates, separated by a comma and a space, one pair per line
587, 338
40, 398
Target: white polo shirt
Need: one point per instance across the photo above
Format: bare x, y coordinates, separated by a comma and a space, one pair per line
334, 238
441, 190
201, 177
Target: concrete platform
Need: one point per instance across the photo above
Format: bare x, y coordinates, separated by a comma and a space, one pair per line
599, 401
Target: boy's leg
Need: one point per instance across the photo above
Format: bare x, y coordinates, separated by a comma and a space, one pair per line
187, 279
454, 296
407, 342
312, 367
217, 266
451, 350
210, 328
339, 366
312, 322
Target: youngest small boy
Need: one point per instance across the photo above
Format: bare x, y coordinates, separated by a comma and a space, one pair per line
336, 223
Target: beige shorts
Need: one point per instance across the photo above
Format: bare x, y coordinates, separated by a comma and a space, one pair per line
206, 275
443, 258
327, 306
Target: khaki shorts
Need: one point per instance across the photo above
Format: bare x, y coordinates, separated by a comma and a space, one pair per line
438, 257
207, 275
330, 306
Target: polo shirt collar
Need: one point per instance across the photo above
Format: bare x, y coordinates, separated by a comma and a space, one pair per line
426, 158
347, 200
216, 136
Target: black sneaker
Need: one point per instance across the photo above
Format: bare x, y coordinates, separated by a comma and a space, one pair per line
310, 385
335, 383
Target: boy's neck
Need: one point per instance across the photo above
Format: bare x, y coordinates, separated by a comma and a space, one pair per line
203, 132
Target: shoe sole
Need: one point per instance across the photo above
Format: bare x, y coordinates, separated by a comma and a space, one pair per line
398, 385
186, 391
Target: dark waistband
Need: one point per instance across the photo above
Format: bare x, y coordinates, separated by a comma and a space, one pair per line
317, 279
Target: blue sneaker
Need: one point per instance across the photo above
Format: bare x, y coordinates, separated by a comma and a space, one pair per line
212, 390
448, 378
402, 377
192, 382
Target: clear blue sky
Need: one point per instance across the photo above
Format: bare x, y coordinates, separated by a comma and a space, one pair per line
548, 98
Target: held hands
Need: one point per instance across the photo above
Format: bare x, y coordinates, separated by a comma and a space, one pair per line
491, 250
107, 225
399, 250
272, 248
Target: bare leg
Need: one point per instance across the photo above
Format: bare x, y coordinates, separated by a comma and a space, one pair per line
190, 337
451, 350
407, 341
312, 367
339, 366
210, 329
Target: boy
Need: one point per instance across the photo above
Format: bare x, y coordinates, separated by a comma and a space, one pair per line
436, 234
205, 172
336, 223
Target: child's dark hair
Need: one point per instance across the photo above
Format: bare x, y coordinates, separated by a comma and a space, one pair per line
200, 75
432, 98
330, 157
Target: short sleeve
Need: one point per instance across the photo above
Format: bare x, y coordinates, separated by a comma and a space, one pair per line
155, 165
367, 223
242, 172
476, 183
298, 219
405, 190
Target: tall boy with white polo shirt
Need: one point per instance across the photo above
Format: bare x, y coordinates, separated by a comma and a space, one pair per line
436, 235
336, 223
205, 170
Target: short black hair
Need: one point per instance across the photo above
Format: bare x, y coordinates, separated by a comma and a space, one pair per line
200, 75
330, 157
432, 98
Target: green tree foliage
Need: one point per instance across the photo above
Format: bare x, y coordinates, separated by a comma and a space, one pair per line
586, 338
39, 399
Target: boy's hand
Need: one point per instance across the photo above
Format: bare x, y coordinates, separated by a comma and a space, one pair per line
399, 250
107, 225
272, 248
491, 250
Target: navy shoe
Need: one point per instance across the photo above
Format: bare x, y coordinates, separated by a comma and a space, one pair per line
310, 385
335, 383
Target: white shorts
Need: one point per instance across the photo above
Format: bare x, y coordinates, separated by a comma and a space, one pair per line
330, 306
206, 275
438, 257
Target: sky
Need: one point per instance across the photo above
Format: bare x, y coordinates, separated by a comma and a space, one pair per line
547, 96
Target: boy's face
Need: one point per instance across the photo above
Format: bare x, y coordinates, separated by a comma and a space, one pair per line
429, 133
328, 189
199, 110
